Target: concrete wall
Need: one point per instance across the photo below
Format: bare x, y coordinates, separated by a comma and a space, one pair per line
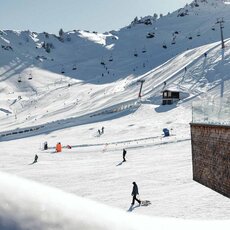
211, 156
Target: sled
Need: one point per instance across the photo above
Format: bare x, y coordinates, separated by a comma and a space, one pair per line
145, 202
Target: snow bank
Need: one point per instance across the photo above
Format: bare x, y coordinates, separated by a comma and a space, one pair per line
28, 205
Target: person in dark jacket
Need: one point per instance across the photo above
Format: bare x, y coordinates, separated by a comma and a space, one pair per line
135, 193
45, 145
35, 158
99, 131
124, 153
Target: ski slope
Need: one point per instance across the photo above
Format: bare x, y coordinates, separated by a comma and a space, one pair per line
83, 101
70, 107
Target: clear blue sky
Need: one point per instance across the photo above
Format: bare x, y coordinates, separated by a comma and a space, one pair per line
93, 15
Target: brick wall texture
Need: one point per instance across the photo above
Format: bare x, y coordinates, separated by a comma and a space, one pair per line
211, 156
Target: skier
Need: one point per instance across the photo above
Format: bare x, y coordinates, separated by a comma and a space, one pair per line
124, 153
35, 159
135, 193
58, 147
45, 145
102, 130
99, 131
185, 69
205, 54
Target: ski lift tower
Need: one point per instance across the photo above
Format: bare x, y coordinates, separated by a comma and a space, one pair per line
142, 82
221, 22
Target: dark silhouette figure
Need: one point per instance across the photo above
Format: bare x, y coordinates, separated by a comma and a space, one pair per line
205, 54
102, 130
135, 193
185, 69
45, 145
35, 159
99, 131
124, 154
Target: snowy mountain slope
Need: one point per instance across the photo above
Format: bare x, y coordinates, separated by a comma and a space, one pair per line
86, 50
41, 77
71, 98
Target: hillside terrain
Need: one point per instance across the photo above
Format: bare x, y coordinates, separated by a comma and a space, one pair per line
84, 72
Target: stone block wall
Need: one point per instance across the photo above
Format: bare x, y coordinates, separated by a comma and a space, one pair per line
211, 156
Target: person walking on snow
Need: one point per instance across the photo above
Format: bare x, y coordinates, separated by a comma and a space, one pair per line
45, 145
99, 132
124, 153
35, 159
58, 147
135, 193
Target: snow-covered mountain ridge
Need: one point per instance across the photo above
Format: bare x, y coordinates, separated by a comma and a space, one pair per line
179, 33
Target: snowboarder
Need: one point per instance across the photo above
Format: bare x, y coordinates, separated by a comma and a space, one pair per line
135, 193
102, 130
124, 153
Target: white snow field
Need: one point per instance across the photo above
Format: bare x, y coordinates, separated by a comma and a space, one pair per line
36, 206
66, 95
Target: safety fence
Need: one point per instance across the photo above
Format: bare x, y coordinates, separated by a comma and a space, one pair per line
113, 109
132, 104
211, 112
20, 131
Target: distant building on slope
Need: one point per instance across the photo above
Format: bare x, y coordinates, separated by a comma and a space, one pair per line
172, 94
210, 138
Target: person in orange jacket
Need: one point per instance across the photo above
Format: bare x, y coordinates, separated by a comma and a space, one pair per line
58, 147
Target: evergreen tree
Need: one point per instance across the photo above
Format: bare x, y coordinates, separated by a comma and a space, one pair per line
44, 45
68, 38
135, 20
47, 48
61, 32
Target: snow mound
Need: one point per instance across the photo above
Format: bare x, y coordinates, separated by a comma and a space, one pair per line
28, 205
